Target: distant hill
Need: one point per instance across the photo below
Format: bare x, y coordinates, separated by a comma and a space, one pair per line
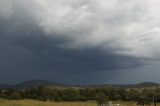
148, 84
34, 83
139, 85
4, 86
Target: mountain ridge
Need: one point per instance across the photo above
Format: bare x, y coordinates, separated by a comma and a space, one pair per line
38, 82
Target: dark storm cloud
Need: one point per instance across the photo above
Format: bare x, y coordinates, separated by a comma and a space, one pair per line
28, 53
27, 48
69, 40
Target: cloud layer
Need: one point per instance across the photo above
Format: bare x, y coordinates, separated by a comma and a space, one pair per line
128, 27
77, 36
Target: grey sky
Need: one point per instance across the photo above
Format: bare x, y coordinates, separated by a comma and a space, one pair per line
79, 41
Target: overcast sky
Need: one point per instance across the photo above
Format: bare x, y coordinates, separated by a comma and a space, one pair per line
80, 41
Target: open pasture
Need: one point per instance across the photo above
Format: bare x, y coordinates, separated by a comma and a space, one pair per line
39, 103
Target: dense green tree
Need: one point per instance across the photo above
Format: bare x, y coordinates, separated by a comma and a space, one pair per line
101, 99
44, 93
88, 94
8, 92
122, 93
132, 95
15, 95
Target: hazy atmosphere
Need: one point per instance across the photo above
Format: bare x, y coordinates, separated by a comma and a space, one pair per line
80, 41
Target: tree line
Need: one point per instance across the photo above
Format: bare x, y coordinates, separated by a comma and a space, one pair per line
44, 93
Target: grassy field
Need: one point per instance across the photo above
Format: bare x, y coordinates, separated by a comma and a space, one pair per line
38, 103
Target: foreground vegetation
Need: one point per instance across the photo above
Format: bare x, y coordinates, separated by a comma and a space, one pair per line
141, 96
